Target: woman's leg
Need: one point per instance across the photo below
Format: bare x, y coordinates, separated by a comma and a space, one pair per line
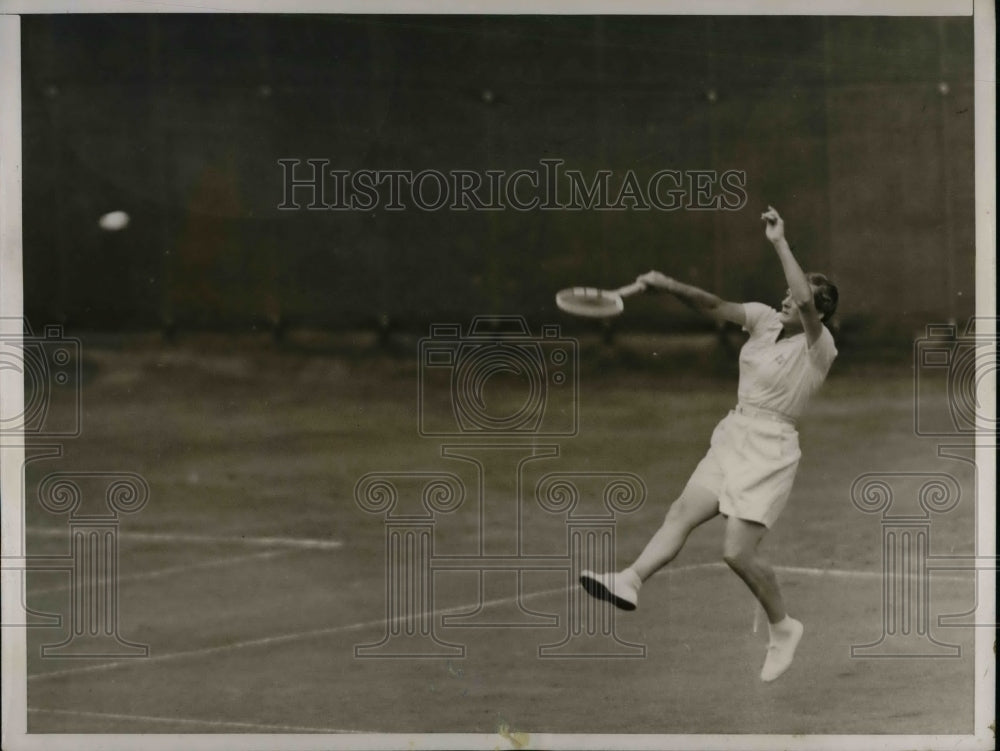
695, 506
740, 552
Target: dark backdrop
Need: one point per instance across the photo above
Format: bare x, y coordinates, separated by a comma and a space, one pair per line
859, 129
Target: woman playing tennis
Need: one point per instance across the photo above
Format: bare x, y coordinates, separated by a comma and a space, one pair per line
748, 471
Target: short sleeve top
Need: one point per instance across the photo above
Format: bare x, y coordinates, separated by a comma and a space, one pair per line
780, 374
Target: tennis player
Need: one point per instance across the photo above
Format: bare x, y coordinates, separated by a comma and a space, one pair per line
748, 471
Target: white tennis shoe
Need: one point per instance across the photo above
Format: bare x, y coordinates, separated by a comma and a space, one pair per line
613, 588
781, 650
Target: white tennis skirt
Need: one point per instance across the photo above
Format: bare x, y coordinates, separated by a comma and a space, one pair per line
750, 466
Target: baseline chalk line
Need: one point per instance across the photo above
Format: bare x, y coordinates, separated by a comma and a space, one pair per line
126, 535
189, 721
169, 570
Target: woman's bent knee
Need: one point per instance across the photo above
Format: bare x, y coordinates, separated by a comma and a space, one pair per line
736, 559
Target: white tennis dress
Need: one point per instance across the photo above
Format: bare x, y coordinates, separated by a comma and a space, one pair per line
754, 451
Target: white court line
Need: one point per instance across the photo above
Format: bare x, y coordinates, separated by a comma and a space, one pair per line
168, 570
298, 635
275, 542
835, 573
848, 574
316, 632
191, 721
281, 638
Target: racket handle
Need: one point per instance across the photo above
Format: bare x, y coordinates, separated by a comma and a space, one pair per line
631, 289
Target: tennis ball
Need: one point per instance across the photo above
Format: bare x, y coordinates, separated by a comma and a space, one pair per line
113, 221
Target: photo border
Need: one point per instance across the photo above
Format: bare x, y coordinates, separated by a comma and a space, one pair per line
14, 684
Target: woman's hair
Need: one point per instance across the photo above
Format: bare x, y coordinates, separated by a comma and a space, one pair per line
826, 296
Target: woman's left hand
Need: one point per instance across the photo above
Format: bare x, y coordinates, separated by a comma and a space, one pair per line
775, 225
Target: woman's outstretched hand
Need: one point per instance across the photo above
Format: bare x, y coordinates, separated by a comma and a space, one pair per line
656, 280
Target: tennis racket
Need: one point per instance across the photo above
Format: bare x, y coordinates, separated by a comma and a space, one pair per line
591, 302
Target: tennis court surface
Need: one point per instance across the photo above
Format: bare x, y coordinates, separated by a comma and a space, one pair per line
252, 574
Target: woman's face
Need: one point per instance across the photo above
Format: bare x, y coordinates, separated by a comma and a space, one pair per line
789, 314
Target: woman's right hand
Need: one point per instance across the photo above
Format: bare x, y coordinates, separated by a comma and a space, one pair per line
656, 280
